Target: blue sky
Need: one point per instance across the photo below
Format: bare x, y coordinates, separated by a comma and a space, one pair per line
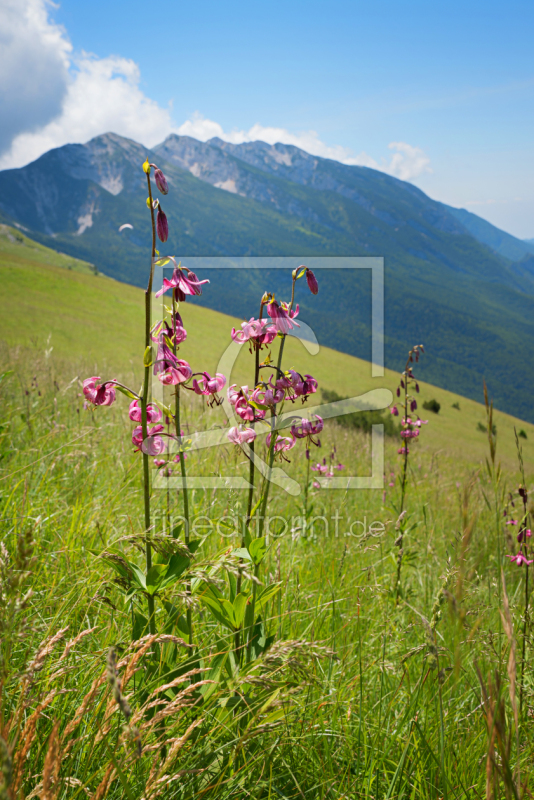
445, 90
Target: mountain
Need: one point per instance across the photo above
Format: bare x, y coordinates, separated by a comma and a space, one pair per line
503, 243
471, 306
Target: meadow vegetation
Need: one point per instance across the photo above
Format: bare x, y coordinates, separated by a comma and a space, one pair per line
353, 687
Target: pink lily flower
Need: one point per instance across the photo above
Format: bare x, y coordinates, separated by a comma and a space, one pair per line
305, 386
182, 284
281, 316
234, 394
282, 443
520, 559
153, 414
308, 428
154, 445
260, 330
208, 385
240, 435
180, 373
99, 394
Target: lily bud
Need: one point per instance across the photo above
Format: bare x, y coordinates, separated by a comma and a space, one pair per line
313, 286
161, 181
162, 226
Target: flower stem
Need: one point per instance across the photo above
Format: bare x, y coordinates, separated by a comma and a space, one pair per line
144, 404
403, 487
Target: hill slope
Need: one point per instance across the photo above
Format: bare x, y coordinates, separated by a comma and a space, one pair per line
468, 304
95, 326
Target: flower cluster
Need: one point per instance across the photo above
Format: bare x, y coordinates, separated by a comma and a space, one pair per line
410, 428
524, 534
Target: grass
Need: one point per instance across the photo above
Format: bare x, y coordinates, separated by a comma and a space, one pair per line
358, 696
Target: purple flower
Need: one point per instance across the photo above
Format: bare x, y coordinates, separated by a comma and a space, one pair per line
240, 435
395, 411
308, 428
153, 445
259, 330
282, 443
161, 181
520, 559
313, 286
182, 284
153, 414
207, 385
99, 394
162, 226
281, 317
179, 373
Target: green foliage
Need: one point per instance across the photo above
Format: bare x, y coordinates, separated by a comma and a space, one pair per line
432, 405
456, 406
362, 420
522, 434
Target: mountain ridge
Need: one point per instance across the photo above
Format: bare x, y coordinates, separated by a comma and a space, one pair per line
465, 301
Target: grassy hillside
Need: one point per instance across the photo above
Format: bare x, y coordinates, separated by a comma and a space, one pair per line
441, 283
95, 326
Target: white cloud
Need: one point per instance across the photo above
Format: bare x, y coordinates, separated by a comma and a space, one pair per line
33, 67
50, 98
406, 163
102, 95
82, 97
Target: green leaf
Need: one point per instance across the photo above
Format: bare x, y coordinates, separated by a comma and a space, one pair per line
265, 595
240, 606
154, 577
127, 392
228, 609
257, 549
147, 358
177, 566
242, 552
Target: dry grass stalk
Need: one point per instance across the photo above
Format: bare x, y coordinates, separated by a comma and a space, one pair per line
45, 648
86, 702
51, 766
146, 643
102, 788
27, 737
73, 642
158, 776
180, 701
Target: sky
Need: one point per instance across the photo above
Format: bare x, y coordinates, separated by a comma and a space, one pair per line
439, 94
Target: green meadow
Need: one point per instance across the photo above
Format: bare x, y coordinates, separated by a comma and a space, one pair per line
354, 687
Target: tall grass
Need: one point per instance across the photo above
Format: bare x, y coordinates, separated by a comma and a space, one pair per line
357, 697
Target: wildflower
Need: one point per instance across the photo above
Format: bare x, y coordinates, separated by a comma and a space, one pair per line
313, 286
159, 462
161, 180
208, 385
282, 443
282, 316
307, 428
240, 435
153, 445
403, 451
267, 395
179, 373
316, 485
153, 414
520, 559
395, 411
183, 284
99, 394
162, 226
259, 330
